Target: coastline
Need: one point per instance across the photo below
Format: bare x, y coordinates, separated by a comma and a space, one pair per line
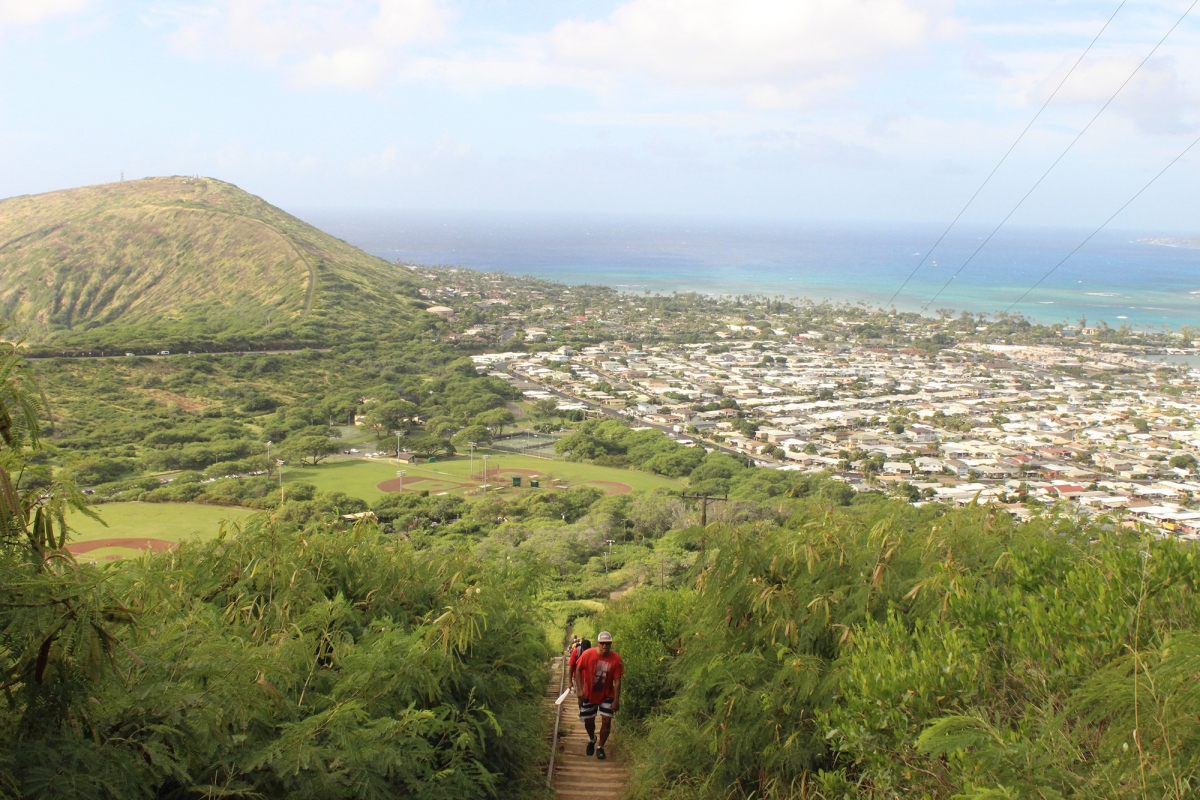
837, 263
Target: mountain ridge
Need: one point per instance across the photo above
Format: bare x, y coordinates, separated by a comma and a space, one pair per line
179, 262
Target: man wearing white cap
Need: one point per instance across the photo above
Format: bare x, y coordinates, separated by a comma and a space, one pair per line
598, 684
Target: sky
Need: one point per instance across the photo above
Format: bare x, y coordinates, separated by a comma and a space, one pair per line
847, 110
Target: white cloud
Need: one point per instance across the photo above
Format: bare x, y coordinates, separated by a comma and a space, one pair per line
15, 13
748, 42
772, 53
349, 67
1160, 98
719, 120
347, 43
1155, 100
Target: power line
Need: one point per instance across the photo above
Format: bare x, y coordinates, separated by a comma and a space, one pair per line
1061, 155
1004, 158
1104, 224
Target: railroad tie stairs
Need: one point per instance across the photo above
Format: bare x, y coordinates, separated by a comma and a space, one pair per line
574, 775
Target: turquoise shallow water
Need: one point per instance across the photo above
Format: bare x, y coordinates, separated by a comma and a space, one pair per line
1114, 278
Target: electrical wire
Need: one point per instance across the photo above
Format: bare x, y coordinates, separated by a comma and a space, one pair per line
1062, 155
1004, 158
1104, 224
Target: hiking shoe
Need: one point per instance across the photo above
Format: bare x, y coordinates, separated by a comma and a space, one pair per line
600, 753
591, 748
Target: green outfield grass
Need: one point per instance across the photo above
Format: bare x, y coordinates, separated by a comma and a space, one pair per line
166, 522
174, 522
361, 477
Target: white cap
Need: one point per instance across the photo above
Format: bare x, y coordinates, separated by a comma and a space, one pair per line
604, 636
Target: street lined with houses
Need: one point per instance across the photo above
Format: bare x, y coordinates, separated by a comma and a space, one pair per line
1026, 426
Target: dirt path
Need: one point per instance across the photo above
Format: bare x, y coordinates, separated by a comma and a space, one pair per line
620, 590
312, 272
610, 487
135, 543
577, 776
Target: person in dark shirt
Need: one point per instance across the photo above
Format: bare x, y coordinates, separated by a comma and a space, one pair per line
597, 677
578, 648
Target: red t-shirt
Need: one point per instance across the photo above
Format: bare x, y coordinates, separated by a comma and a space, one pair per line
597, 674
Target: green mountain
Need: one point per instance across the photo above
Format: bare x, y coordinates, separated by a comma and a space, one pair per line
186, 263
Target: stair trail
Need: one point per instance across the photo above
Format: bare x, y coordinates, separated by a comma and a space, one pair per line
575, 775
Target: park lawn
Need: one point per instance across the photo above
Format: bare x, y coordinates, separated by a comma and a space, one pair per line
167, 522
361, 477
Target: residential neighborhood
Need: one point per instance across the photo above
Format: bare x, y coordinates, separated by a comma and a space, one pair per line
1021, 425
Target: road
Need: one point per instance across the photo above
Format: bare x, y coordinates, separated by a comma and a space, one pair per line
190, 353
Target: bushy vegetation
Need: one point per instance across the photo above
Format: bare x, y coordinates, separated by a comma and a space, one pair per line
610, 443
122, 423
881, 651
269, 663
284, 660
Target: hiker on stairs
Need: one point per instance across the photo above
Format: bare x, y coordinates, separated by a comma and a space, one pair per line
597, 676
578, 648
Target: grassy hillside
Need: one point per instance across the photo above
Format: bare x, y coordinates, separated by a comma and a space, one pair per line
182, 263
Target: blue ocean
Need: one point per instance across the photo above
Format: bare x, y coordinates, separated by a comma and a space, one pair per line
1115, 277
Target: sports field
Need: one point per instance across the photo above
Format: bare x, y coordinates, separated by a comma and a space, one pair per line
135, 527
371, 478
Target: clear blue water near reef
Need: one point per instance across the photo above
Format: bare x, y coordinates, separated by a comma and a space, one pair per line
1115, 277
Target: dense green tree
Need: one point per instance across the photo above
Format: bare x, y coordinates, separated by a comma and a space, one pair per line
545, 407
386, 418
431, 446
310, 449
478, 434
494, 419
612, 443
1185, 461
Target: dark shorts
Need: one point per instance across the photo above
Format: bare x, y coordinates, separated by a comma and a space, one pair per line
589, 710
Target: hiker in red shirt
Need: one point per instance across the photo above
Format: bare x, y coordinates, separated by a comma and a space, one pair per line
598, 683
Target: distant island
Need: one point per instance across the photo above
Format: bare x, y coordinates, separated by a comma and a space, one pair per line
1166, 242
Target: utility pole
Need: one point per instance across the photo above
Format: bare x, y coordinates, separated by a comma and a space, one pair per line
398, 435
485, 458
279, 464
472, 445
607, 554
704, 501
269, 458
400, 473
